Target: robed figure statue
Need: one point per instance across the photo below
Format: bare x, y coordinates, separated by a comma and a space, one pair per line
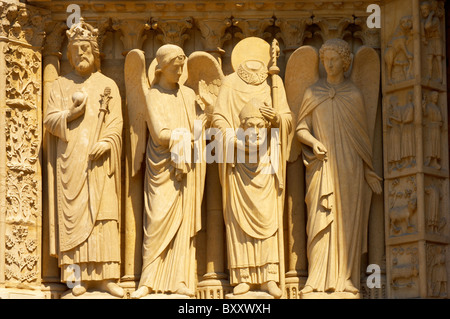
84, 119
335, 127
161, 103
253, 191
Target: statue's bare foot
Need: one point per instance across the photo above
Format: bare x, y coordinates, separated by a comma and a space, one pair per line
307, 289
350, 288
435, 164
78, 290
242, 288
183, 290
114, 289
272, 288
141, 292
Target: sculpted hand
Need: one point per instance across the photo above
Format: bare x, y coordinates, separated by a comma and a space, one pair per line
204, 94
320, 151
77, 109
98, 150
197, 134
271, 115
374, 181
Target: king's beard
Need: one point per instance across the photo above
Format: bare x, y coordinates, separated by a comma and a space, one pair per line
84, 66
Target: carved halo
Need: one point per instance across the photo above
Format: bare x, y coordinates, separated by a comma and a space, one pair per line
251, 48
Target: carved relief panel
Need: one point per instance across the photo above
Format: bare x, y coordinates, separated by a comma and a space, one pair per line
398, 56
402, 206
436, 206
437, 271
432, 48
434, 129
416, 139
22, 150
404, 272
400, 131
22, 28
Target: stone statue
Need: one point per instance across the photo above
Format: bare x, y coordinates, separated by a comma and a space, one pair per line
252, 196
408, 140
84, 118
174, 183
335, 127
433, 196
397, 55
394, 123
431, 37
433, 125
401, 133
437, 283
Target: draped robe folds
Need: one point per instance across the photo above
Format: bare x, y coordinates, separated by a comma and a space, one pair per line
336, 190
252, 199
395, 135
87, 192
172, 214
407, 145
433, 123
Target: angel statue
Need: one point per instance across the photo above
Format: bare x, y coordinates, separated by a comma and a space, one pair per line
253, 197
335, 126
84, 125
164, 105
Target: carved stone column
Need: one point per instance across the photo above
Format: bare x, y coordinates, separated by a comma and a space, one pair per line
214, 35
416, 149
292, 33
253, 27
21, 36
214, 284
332, 27
51, 68
132, 33
173, 31
376, 240
133, 37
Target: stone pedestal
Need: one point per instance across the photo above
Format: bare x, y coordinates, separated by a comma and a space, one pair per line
14, 293
333, 295
250, 295
88, 295
213, 288
166, 296
295, 281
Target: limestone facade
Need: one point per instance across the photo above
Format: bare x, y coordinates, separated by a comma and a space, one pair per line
409, 223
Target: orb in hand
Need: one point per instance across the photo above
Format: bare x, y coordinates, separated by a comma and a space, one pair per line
78, 97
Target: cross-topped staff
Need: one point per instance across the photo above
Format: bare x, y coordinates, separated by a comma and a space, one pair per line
104, 105
274, 70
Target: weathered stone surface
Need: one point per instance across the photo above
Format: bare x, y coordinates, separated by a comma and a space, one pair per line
407, 231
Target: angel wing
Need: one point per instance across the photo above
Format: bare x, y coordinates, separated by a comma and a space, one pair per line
302, 71
205, 77
365, 74
137, 86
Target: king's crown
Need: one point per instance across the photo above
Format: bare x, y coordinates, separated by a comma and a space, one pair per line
82, 31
